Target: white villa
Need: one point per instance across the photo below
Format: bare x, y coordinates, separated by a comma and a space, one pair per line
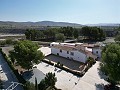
78, 51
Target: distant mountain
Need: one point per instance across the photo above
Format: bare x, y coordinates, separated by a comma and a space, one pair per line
49, 23
104, 24
41, 23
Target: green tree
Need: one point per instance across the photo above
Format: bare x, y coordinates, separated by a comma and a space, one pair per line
50, 79
42, 85
39, 35
59, 37
9, 41
28, 34
110, 64
29, 86
36, 85
2, 43
1, 84
50, 33
11, 55
117, 38
75, 33
26, 54
67, 31
31, 34
93, 33
48, 82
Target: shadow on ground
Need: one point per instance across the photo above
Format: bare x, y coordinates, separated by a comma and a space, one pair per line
27, 74
67, 62
31, 75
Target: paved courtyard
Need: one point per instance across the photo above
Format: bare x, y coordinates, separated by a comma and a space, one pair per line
45, 50
67, 81
67, 62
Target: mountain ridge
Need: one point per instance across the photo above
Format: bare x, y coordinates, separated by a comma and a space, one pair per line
53, 23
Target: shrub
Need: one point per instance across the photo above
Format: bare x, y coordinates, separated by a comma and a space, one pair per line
58, 63
61, 65
49, 62
19, 77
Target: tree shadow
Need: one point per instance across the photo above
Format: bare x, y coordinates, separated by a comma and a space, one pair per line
101, 74
47, 65
27, 75
107, 86
59, 70
99, 86
55, 69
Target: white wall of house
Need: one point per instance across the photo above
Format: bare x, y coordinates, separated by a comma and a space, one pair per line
97, 52
54, 43
78, 56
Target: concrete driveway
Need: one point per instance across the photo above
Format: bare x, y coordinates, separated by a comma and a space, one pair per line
45, 50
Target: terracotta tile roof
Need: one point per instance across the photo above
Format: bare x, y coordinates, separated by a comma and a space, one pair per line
80, 48
65, 47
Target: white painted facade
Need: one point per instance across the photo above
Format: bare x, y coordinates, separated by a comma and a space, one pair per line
77, 55
97, 51
94, 52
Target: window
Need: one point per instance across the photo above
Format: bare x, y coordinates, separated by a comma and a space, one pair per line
67, 52
58, 54
72, 53
60, 50
96, 51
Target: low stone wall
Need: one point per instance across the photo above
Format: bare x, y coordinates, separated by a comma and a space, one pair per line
61, 66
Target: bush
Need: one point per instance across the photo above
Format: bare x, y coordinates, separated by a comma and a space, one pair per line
9, 41
69, 70
19, 77
0, 49
2, 43
58, 63
49, 62
61, 65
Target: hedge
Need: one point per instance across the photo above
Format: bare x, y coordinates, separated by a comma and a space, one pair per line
61, 66
19, 77
78, 73
49, 62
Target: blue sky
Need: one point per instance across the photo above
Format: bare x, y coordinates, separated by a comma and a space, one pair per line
75, 11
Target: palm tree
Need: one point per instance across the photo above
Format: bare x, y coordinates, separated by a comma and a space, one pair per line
48, 83
36, 85
50, 79
42, 85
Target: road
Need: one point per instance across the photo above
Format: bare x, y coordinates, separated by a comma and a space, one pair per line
8, 76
